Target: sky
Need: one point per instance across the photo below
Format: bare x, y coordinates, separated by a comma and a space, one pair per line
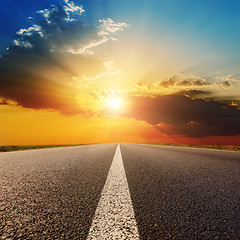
87, 71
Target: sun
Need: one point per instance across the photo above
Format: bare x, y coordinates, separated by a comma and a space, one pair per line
114, 103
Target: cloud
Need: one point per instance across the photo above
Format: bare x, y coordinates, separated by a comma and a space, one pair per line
108, 26
193, 86
185, 105
180, 115
3, 102
100, 35
226, 84
71, 7
191, 83
68, 11
184, 81
230, 100
110, 70
29, 31
175, 83
167, 83
39, 69
232, 78
194, 93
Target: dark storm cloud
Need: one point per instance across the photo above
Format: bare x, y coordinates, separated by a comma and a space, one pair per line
37, 70
181, 115
230, 100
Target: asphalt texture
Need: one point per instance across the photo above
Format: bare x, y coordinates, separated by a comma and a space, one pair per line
184, 193
176, 193
52, 193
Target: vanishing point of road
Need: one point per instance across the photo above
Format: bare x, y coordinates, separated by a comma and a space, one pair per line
120, 191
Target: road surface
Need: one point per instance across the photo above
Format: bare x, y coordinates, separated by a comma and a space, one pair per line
126, 191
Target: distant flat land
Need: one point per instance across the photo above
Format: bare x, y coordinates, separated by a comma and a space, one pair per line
28, 147
219, 147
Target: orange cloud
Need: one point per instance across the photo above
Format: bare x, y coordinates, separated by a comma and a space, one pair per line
40, 69
182, 116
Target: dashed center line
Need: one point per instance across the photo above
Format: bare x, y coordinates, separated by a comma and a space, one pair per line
114, 216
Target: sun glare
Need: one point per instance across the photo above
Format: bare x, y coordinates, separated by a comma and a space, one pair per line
114, 103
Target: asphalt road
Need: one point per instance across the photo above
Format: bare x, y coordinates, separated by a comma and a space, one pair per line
176, 193
52, 193
184, 193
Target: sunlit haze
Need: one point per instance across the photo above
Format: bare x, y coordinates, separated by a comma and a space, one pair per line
114, 103
119, 71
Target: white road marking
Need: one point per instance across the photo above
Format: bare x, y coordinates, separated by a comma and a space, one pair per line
114, 216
